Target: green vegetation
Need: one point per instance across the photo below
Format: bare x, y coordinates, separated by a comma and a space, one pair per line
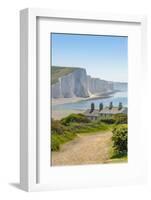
80, 118
58, 72
60, 139
117, 160
119, 138
67, 128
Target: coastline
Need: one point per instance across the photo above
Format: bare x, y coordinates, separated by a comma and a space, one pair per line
58, 114
60, 101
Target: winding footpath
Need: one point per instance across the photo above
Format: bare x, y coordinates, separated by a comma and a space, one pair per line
85, 149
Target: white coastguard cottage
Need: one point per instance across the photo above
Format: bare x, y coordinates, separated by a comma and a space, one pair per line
94, 114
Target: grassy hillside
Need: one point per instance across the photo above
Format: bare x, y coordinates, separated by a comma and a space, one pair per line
57, 72
67, 129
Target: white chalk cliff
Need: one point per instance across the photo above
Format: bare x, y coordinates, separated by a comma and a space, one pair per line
79, 84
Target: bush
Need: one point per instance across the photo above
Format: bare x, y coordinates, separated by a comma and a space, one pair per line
55, 143
57, 127
75, 118
119, 138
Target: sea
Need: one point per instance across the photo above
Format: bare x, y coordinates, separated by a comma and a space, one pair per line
115, 98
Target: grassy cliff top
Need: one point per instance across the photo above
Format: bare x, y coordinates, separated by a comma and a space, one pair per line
57, 72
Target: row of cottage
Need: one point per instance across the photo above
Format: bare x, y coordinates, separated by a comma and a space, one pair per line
94, 114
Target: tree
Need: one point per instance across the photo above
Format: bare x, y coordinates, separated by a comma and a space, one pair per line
111, 105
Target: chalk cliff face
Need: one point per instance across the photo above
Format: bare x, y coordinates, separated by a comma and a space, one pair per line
71, 85
98, 86
78, 84
120, 86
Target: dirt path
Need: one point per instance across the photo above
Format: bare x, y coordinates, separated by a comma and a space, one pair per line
85, 149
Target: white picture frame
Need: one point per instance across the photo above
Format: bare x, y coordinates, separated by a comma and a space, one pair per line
29, 95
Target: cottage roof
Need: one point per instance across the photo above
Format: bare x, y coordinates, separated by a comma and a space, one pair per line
114, 110
95, 113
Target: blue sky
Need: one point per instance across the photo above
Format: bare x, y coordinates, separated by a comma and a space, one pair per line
104, 57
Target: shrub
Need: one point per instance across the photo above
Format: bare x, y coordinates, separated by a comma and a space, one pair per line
57, 127
55, 143
119, 138
75, 118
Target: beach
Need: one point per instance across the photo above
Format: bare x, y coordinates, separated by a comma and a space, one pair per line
59, 101
60, 113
